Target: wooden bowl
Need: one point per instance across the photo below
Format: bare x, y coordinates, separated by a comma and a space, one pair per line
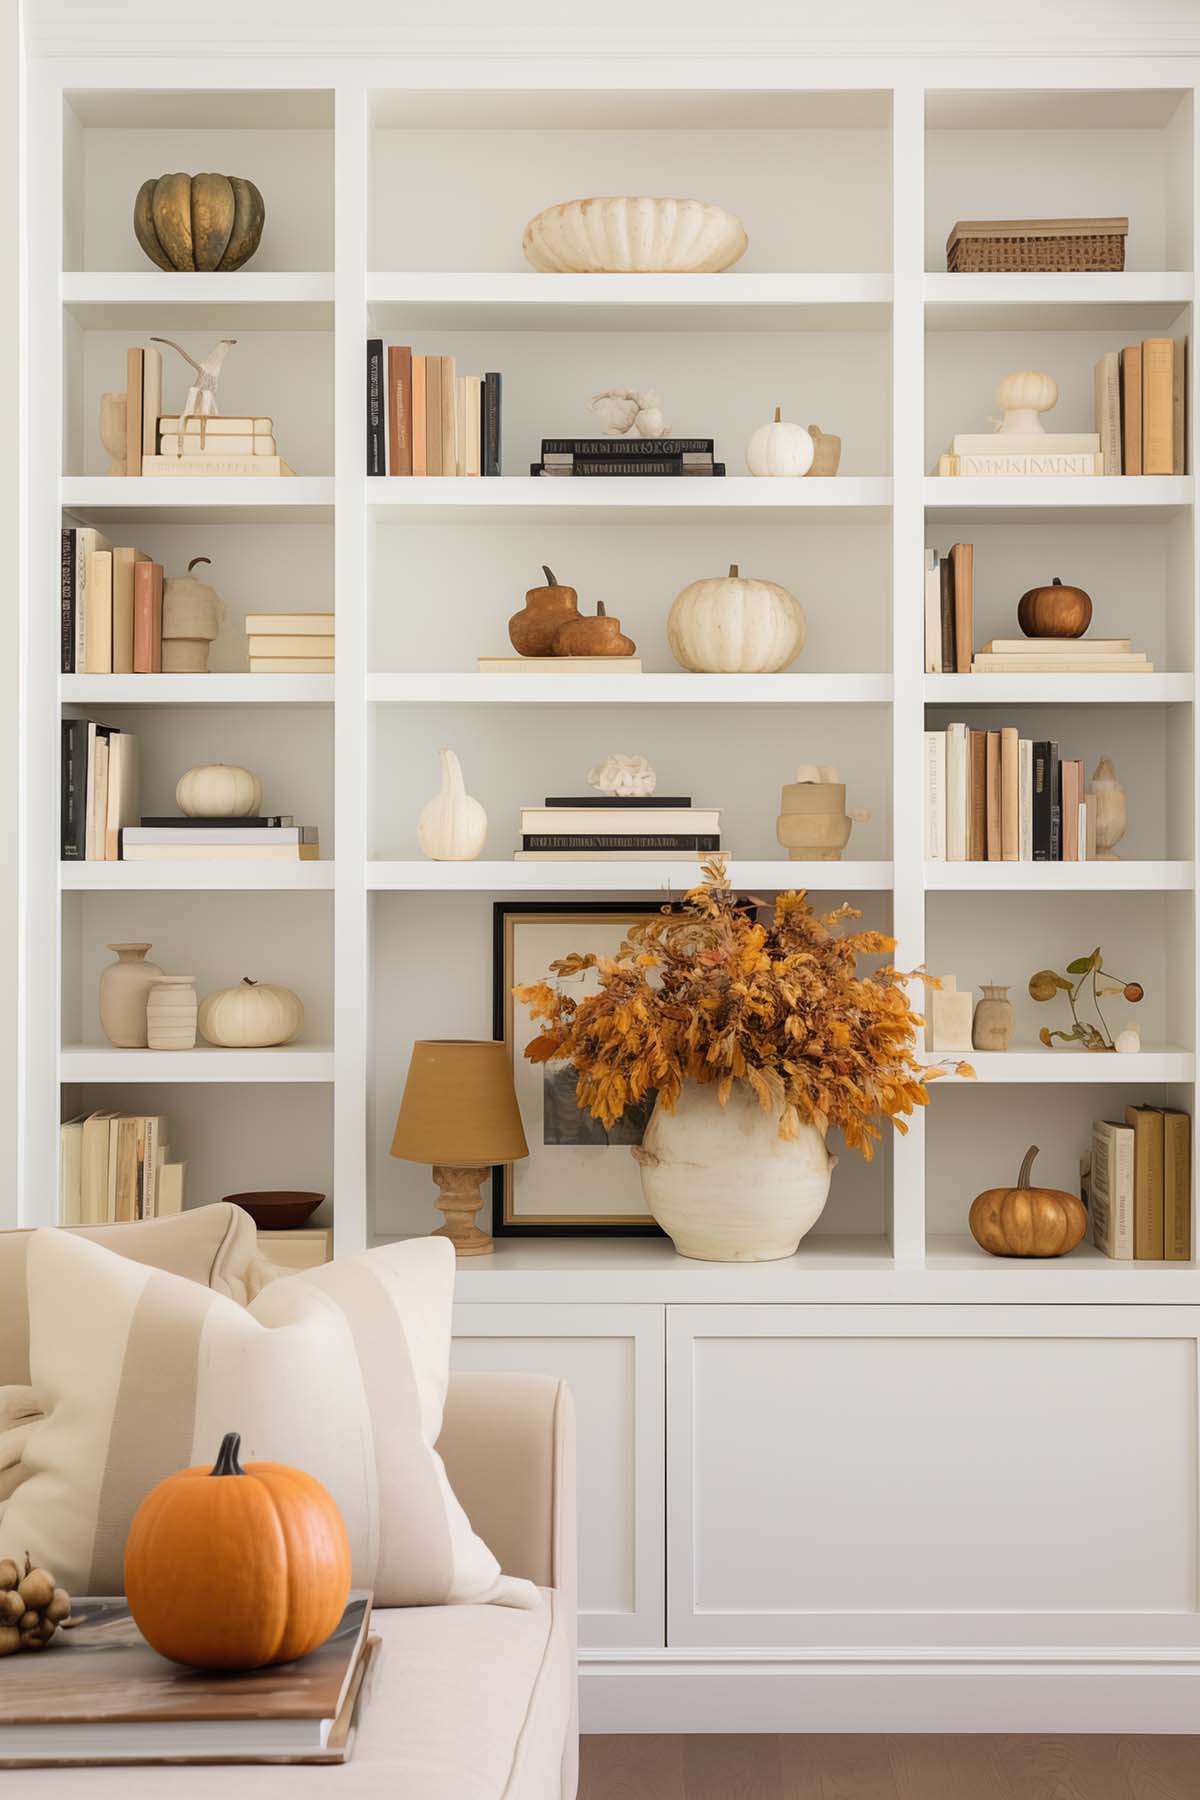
277, 1209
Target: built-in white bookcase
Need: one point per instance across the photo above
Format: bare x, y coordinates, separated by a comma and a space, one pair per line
398, 210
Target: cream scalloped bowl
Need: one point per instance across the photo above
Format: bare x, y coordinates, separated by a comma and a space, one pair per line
618, 236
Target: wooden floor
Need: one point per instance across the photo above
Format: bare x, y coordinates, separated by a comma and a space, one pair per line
890, 1768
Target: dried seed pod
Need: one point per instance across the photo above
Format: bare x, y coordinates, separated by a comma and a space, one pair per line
9, 1573
36, 1587
28, 1620
10, 1639
45, 1629
12, 1606
60, 1605
31, 1641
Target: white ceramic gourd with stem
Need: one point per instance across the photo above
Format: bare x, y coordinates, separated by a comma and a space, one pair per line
780, 448
452, 827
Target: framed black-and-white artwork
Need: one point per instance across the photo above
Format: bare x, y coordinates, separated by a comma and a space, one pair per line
579, 1177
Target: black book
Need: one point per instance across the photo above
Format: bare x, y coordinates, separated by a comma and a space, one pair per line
73, 776
949, 635
618, 842
1055, 782
665, 465
1047, 806
376, 410
276, 819
67, 599
634, 800
621, 446
490, 436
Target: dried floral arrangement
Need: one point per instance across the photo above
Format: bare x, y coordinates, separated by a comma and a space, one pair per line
1089, 973
708, 992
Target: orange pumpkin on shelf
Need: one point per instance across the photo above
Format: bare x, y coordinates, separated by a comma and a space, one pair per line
1025, 1220
232, 1568
1055, 611
600, 636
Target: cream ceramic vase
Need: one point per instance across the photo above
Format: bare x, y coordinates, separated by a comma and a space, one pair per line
171, 1013
124, 990
992, 1025
724, 1185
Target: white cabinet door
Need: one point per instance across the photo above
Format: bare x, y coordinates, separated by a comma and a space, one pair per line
612, 1358
932, 1476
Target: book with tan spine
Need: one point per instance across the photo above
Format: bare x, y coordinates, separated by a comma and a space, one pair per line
228, 445
296, 624
1158, 402
1010, 794
291, 665
298, 646
135, 361
1179, 408
215, 425
559, 665
1148, 1182
163, 467
1131, 409
1111, 1189
1066, 647
123, 561
1107, 398
977, 784
995, 826
97, 610
962, 557
1177, 1186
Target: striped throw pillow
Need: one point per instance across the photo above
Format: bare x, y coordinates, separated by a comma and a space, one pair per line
341, 1371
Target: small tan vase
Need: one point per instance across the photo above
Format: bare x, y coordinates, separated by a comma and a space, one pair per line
992, 1025
171, 1013
124, 990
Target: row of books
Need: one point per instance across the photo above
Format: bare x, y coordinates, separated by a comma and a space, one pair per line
602, 828
113, 1167
99, 788
423, 418
1141, 408
627, 456
994, 796
161, 444
290, 643
949, 610
272, 838
1137, 1184
110, 606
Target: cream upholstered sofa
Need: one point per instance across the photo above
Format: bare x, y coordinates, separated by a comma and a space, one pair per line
466, 1702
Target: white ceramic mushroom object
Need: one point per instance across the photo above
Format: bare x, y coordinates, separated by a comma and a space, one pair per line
780, 448
452, 827
1023, 398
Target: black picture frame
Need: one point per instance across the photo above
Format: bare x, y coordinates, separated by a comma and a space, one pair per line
503, 1223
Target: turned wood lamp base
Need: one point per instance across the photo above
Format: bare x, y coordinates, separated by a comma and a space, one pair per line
460, 1199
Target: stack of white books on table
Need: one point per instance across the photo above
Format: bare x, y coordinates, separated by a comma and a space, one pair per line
1025, 453
1060, 656
215, 445
272, 838
290, 643
604, 828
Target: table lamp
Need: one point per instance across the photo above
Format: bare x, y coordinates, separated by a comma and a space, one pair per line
459, 1114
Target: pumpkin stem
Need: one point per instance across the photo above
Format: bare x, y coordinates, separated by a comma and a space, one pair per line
249, 981
1027, 1167
1056, 582
198, 559
549, 574
733, 574
227, 1456
600, 612
779, 415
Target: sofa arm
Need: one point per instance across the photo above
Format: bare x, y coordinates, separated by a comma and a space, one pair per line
508, 1442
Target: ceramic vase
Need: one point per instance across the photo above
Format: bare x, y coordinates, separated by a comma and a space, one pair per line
723, 1184
992, 1025
124, 990
171, 1013
1112, 811
813, 825
112, 430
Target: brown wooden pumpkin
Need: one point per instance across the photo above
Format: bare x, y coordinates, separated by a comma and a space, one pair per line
1026, 1220
532, 631
1054, 612
199, 221
232, 1568
600, 636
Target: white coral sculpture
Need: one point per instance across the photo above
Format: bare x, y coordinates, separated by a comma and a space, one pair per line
624, 412
624, 777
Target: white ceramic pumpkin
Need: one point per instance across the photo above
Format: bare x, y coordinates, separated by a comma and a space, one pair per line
252, 1016
732, 625
780, 448
219, 791
452, 827
1023, 397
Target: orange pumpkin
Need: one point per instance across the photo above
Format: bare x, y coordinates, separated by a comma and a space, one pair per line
232, 1568
1026, 1220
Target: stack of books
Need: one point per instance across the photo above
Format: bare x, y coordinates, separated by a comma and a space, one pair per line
99, 790
1031, 453
994, 796
110, 605
949, 610
290, 643
627, 456
113, 1168
272, 839
423, 418
156, 444
1061, 656
1141, 408
1137, 1185
602, 828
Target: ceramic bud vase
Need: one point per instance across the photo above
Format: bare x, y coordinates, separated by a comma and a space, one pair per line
171, 1013
124, 989
723, 1184
992, 1026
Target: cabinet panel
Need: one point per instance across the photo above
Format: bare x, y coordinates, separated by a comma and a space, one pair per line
612, 1357
925, 1474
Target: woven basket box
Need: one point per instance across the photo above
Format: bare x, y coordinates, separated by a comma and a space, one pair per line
1036, 246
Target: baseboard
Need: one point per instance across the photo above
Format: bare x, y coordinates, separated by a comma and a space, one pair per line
662, 1691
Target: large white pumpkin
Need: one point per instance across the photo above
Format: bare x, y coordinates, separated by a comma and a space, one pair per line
252, 1016
731, 625
219, 791
780, 448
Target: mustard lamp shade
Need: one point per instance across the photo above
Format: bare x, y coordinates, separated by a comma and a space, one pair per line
459, 1107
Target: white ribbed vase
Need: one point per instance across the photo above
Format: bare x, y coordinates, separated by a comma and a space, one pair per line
724, 1185
633, 234
171, 1013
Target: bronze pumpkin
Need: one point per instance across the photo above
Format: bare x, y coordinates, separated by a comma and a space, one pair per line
199, 221
1026, 1220
1054, 612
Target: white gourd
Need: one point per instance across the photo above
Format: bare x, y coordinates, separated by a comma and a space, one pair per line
780, 448
252, 1016
191, 609
731, 625
219, 791
452, 827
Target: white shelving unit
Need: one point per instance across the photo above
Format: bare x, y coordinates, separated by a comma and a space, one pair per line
890, 1317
